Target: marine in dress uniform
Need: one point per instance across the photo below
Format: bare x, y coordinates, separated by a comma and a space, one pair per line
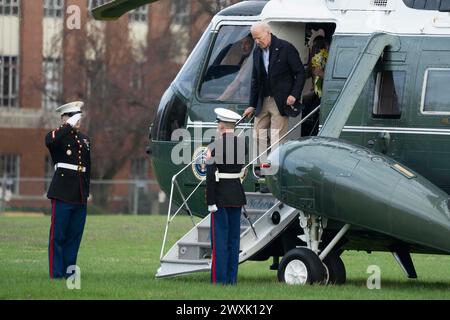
69, 189
225, 197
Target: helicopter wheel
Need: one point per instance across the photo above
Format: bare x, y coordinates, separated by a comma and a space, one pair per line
301, 266
334, 268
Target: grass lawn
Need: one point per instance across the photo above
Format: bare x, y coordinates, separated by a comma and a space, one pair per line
119, 257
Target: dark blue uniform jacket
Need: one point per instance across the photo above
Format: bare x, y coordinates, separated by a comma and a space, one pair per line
226, 192
67, 145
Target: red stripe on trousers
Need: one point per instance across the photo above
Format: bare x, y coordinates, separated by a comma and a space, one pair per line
52, 231
213, 271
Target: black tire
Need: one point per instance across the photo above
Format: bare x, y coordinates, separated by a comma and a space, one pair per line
335, 268
305, 260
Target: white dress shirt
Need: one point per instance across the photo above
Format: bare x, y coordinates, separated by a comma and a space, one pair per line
266, 53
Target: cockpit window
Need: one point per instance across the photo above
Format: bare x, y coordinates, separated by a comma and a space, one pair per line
171, 115
229, 71
185, 79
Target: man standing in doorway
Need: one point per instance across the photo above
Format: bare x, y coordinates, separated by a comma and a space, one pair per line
69, 189
278, 79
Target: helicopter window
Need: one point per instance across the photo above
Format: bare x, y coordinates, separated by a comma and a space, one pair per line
228, 75
436, 96
171, 115
389, 94
188, 74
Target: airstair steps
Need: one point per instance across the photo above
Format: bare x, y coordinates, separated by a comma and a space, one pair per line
192, 253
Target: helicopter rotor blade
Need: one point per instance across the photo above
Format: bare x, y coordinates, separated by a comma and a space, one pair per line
115, 9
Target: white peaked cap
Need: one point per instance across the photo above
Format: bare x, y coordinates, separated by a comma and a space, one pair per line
70, 107
225, 115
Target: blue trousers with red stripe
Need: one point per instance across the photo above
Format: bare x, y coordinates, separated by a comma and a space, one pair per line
66, 231
225, 236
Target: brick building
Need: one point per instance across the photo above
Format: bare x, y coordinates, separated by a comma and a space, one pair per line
38, 50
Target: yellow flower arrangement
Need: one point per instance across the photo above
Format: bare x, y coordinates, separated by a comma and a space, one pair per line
319, 61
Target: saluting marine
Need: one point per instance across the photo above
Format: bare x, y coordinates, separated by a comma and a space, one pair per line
69, 189
225, 197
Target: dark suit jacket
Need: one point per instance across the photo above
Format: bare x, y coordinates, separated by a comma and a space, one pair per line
226, 192
286, 74
68, 145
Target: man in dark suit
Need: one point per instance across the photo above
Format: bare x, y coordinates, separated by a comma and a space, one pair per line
278, 79
225, 197
69, 189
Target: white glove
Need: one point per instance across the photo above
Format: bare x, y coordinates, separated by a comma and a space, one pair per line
212, 208
74, 119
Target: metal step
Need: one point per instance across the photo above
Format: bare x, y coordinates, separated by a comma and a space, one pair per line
171, 267
194, 250
204, 234
195, 262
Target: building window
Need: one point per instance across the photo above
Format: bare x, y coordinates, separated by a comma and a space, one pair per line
53, 8
139, 15
179, 29
9, 7
52, 70
180, 12
389, 94
139, 168
49, 171
8, 81
136, 82
435, 93
9, 169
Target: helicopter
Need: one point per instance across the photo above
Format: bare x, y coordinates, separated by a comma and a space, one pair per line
376, 177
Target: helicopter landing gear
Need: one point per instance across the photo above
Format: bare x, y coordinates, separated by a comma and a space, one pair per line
301, 266
334, 268
305, 265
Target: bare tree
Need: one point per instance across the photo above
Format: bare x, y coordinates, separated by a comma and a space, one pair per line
121, 85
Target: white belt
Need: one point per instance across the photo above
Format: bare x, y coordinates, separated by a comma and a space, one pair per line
70, 167
221, 175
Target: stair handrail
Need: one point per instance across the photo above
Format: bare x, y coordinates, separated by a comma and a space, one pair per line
286, 134
174, 177
185, 200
